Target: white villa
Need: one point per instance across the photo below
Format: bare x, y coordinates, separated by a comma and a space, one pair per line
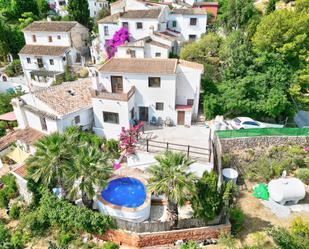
96, 5
121, 90
50, 47
149, 21
59, 6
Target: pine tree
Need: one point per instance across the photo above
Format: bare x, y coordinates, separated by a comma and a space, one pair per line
79, 11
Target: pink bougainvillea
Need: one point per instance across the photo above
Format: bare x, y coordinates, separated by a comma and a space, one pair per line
307, 149
117, 165
119, 38
129, 137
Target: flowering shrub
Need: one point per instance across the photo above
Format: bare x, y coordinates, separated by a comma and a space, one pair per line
119, 38
128, 138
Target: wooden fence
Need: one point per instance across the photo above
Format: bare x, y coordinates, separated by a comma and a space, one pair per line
158, 226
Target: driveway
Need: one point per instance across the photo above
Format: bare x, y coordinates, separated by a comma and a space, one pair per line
193, 140
197, 136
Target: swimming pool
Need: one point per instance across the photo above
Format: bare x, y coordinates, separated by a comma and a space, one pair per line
126, 192
125, 198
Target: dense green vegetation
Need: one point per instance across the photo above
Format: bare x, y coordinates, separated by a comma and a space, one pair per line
171, 178
14, 16
9, 190
79, 11
56, 163
254, 65
295, 238
207, 202
267, 164
17, 14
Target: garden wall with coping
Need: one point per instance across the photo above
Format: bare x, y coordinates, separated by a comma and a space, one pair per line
139, 240
232, 144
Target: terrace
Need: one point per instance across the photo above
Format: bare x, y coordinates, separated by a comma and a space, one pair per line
114, 96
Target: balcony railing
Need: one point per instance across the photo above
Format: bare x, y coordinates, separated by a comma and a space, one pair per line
114, 96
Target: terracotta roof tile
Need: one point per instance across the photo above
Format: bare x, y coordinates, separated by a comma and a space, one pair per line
67, 97
21, 170
206, 4
110, 19
158, 44
44, 50
7, 140
27, 135
190, 11
191, 64
149, 13
139, 65
166, 35
50, 26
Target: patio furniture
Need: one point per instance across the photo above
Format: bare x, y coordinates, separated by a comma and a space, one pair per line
168, 121
153, 121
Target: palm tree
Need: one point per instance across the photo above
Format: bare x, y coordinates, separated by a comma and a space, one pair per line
171, 178
91, 168
51, 160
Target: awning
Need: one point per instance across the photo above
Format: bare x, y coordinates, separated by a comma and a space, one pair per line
10, 116
18, 155
184, 107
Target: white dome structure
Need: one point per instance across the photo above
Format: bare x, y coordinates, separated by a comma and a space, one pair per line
285, 190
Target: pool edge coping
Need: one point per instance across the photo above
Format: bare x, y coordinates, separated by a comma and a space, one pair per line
126, 209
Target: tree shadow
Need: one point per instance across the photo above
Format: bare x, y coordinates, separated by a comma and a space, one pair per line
252, 225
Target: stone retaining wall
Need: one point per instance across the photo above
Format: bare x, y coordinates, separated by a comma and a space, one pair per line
230, 144
139, 240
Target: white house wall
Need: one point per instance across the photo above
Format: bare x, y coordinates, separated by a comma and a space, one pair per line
35, 123
188, 86
58, 66
112, 28
183, 25
149, 25
122, 52
86, 119
95, 7
127, 5
148, 96
135, 5
151, 50
110, 130
42, 38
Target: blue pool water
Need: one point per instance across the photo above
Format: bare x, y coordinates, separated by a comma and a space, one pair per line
125, 192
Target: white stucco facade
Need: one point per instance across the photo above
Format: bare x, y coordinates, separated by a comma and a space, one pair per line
32, 112
59, 6
50, 48
96, 5
177, 92
183, 24
189, 29
125, 5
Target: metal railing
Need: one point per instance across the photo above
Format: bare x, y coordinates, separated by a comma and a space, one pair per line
192, 151
115, 96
